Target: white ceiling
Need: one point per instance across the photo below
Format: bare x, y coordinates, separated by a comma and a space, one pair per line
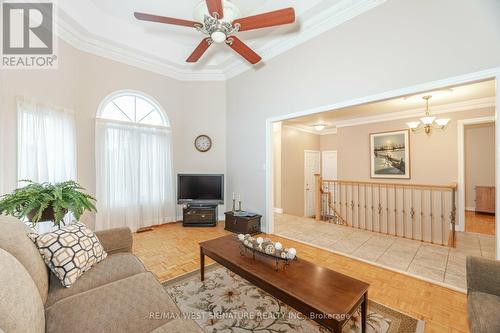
108, 28
459, 98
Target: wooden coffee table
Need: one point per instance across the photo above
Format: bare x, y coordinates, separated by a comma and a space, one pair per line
323, 295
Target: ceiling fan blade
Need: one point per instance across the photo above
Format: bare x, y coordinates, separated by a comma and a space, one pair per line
166, 20
215, 6
200, 50
236, 44
271, 19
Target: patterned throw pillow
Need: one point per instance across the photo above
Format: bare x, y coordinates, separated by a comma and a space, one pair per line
69, 251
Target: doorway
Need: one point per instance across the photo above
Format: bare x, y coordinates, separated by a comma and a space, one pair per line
312, 162
477, 175
329, 164
472, 139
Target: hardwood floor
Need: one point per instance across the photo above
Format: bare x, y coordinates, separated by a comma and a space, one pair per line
480, 223
171, 250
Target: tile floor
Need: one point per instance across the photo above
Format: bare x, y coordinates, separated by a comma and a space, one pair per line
434, 262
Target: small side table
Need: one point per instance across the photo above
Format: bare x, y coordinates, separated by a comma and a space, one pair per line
243, 224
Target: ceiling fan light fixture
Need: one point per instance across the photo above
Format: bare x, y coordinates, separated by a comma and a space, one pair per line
220, 19
218, 37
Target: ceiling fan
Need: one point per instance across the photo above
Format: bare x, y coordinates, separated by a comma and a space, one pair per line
221, 22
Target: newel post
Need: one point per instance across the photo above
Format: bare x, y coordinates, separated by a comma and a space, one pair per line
317, 196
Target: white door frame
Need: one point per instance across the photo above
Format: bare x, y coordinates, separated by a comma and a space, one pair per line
493, 73
336, 166
305, 195
461, 164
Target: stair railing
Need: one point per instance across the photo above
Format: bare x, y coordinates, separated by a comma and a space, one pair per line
415, 211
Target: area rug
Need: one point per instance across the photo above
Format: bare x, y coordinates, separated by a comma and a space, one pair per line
227, 303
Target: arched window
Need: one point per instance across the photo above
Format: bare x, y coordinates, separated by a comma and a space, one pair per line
134, 180
134, 107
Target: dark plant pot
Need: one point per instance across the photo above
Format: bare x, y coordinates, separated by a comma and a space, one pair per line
47, 215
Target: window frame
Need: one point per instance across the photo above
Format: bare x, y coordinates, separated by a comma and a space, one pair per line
137, 94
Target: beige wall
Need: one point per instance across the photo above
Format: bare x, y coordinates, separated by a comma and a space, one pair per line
479, 159
293, 144
434, 158
81, 83
328, 142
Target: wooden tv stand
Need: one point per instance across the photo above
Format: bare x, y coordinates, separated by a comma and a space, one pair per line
199, 215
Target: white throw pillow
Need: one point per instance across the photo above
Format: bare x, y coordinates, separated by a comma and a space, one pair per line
69, 251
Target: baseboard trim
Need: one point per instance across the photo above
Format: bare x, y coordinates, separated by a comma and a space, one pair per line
470, 209
278, 210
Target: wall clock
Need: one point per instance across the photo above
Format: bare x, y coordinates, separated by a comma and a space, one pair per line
203, 143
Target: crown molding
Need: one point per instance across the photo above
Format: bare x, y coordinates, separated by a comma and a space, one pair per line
80, 38
75, 35
473, 104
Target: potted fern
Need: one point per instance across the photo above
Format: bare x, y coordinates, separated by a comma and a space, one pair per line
39, 202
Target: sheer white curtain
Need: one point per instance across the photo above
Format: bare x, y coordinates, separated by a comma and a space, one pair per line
46, 149
46, 142
134, 175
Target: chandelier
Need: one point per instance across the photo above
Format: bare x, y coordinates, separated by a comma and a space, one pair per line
428, 123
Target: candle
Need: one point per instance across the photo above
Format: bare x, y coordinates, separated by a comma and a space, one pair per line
239, 197
233, 195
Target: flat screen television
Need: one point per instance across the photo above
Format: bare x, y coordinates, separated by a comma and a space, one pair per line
200, 189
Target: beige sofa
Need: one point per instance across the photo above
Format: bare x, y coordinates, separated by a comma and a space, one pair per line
116, 295
483, 294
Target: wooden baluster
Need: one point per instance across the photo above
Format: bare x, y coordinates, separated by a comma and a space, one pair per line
317, 196
379, 210
373, 216
324, 199
352, 206
331, 201
443, 221
431, 215
387, 209
404, 212
422, 215
344, 202
337, 196
412, 214
346, 198
364, 204
328, 200
357, 212
340, 202
453, 216
395, 211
